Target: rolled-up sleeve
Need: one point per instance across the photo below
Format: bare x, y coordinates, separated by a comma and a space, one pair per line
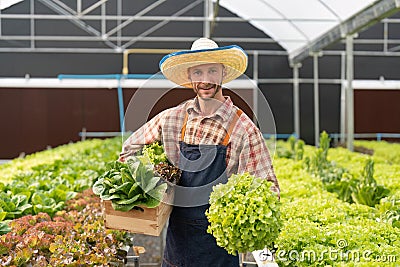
255, 159
147, 134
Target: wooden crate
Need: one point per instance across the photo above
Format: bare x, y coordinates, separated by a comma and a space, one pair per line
150, 221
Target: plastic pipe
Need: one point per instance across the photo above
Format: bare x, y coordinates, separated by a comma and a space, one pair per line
121, 107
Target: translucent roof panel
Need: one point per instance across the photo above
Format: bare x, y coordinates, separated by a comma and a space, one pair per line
295, 24
7, 3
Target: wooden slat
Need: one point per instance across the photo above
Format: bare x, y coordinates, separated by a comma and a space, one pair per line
150, 221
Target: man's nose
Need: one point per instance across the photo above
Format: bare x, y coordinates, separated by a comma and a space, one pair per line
204, 78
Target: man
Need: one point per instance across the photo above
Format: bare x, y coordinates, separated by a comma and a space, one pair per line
209, 139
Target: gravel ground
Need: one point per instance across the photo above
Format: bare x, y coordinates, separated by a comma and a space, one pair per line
153, 245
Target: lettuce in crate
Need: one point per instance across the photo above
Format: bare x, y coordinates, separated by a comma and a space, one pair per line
244, 214
154, 152
130, 184
137, 181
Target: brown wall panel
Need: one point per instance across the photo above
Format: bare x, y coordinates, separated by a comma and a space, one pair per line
11, 122
63, 115
100, 110
377, 111
35, 118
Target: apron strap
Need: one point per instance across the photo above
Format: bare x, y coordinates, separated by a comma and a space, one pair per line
228, 134
231, 126
184, 126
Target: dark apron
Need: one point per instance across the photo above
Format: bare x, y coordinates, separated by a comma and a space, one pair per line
188, 243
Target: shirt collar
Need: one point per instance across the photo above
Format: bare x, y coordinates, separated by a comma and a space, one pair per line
223, 111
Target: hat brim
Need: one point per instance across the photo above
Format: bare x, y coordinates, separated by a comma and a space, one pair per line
175, 66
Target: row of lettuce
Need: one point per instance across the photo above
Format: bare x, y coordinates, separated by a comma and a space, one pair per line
328, 219
339, 208
46, 183
47, 215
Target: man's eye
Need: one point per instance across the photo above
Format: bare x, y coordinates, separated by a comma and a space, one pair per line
197, 73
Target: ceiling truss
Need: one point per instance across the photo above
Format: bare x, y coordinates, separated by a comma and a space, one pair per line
115, 39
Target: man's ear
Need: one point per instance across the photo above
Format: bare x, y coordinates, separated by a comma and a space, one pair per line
223, 71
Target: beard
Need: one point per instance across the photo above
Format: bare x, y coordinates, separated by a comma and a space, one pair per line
206, 91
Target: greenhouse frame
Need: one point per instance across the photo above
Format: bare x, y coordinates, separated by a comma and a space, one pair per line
303, 36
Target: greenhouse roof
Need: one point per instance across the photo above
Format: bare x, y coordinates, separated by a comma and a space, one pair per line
298, 25
7, 3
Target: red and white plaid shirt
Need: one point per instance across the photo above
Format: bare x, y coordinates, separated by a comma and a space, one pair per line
246, 151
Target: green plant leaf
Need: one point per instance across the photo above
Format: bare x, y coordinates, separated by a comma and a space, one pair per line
158, 192
151, 202
123, 188
150, 184
3, 215
127, 201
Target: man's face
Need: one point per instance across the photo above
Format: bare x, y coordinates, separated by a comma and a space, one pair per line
206, 79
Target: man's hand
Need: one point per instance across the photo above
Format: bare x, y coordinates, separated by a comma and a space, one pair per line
277, 191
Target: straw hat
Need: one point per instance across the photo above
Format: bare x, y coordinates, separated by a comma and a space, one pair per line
175, 66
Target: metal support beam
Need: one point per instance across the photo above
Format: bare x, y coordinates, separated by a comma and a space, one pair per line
112, 51
61, 4
32, 24
65, 10
255, 66
103, 20
343, 98
385, 36
119, 32
132, 19
349, 95
316, 100
206, 21
92, 7
296, 99
365, 18
155, 18
161, 24
78, 6
255, 91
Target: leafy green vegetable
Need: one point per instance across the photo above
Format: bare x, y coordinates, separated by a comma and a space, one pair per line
4, 228
244, 214
130, 184
367, 191
155, 153
339, 180
316, 220
44, 181
296, 150
389, 151
76, 236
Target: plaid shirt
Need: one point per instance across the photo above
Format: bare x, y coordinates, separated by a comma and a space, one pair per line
246, 151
